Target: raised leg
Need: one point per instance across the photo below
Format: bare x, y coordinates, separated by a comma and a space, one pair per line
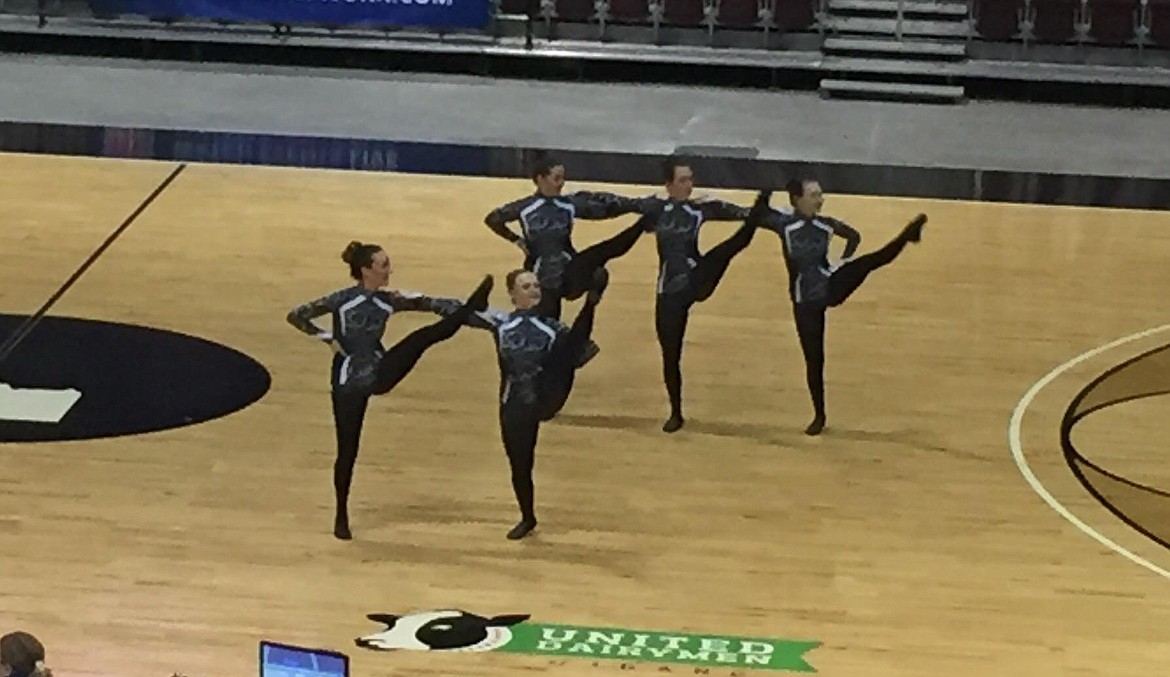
402, 357
846, 279
550, 303
714, 263
580, 271
561, 364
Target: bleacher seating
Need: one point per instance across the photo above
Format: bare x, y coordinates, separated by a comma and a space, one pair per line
711, 15
788, 15
1105, 23
1112, 23
1116, 24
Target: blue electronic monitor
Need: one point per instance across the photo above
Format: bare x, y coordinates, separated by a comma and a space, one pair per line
285, 660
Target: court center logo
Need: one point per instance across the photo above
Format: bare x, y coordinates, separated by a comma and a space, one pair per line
86, 379
457, 630
1142, 507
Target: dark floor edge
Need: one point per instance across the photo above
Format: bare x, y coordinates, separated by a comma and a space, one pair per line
719, 172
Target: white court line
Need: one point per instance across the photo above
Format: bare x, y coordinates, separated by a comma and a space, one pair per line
1018, 448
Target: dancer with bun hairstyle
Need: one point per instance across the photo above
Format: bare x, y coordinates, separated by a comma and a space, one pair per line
362, 367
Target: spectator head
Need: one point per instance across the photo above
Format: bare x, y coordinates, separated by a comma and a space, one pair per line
22, 655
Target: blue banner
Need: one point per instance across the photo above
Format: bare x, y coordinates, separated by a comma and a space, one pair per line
374, 13
369, 155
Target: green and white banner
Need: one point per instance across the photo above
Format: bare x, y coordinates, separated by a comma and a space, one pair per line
659, 647
456, 630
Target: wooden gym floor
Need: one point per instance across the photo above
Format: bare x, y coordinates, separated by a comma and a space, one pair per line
906, 539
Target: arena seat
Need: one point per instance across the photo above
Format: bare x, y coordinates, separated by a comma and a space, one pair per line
683, 12
1160, 22
999, 20
629, 11
1054, 20
794, 15
1113, 21
519, 7
574, 10
739, 13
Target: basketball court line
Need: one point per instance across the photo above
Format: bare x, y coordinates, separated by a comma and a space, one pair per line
50, 406
1014, 441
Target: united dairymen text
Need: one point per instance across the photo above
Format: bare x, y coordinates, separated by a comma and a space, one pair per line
654, 646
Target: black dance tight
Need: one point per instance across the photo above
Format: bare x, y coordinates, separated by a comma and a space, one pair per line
520, 423
349, 408
349, 413
519, 427
402, 357
810, 317
579, 271
671, 311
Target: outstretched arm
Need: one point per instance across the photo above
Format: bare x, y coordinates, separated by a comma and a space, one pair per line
762, 215
596, 206
718, 210
490, 319
402, 300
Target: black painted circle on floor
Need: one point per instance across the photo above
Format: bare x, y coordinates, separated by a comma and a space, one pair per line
132, 379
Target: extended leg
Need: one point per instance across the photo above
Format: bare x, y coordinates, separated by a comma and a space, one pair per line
670, 321
715, 262
550, 303
349, 411
846, 279
580, 271
562, 362
810, 328
402, 357
519, 428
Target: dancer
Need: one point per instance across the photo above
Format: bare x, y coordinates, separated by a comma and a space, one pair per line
538, 358
361, 365
686, 277
814, 285
546, 220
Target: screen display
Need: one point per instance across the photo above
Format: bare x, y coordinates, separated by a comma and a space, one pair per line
282, 660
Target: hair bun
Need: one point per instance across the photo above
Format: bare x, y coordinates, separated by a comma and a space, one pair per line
350, 250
